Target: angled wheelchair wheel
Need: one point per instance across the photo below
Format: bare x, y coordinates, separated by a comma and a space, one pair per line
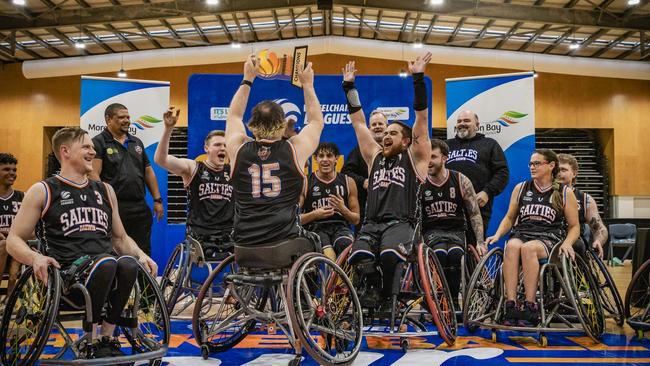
145, 320
470, 261
28, 318
637, 299
335, 315
174, 276
609, 295
584, 295
436, 294
218, 320
483, 290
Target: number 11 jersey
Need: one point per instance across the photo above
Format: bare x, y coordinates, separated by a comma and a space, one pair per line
267, 183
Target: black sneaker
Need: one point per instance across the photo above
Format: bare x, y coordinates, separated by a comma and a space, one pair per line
529, 315
106, 347
512, 314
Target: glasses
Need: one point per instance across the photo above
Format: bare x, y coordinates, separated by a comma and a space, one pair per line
537, 164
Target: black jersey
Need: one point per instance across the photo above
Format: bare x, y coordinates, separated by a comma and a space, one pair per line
443, 207
583, 201
209, 200
393, 185
8, 209
76, 220
318, 193
536, 212
267, 184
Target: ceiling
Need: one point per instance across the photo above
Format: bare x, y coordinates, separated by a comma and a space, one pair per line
44, 29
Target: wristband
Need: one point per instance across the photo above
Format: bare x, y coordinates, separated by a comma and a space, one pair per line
158, 200
420, 97
352, 97
246, 82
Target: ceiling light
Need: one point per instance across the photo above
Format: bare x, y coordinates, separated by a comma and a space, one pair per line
633, 2
574, 45
212, 2
402, 73
535, 74
19, 2
121, 73
417, 44
79, 45
235, 45
436, 2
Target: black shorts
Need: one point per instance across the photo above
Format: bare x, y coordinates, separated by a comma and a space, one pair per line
549, 239
332, 234
376, 239
445, 240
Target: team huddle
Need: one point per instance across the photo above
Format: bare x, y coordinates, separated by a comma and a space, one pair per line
397, 186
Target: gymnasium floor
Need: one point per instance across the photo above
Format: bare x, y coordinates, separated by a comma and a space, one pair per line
618, 347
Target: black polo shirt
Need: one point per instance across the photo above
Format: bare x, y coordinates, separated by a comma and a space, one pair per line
123, 165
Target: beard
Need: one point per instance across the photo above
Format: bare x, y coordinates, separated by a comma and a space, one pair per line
462, 133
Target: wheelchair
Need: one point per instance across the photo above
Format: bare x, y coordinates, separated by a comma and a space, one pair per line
187, 267
34, 308
637, 300
424, 294
280, 286
568, 297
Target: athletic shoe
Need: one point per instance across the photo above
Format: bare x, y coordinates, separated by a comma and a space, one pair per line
106, 347
529, 315
512, 314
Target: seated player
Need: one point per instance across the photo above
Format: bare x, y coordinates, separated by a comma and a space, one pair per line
448, 196
397, 168
267, 172
331, 204
587, 208
78, 223
537, 213
10, 200
209, 191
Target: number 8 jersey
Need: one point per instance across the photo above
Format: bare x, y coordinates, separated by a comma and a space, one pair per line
267, 183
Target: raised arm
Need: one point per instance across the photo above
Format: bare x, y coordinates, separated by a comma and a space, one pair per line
473, 212
235, 129
598, 229
420, 146
509, 218
307, 140
22, 229
122, 243
181, 167
367, 145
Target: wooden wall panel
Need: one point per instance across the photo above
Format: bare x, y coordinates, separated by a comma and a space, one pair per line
562, 101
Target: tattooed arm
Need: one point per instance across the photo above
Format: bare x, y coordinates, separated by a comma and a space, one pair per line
598, 229
474, 213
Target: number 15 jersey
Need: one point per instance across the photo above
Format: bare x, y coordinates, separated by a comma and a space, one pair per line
267, 183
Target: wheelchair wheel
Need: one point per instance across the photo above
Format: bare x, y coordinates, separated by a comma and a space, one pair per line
174, 275
483, 290
145, 322
28, 318
335, 315
609, 296
584, 295
215, 304
436, 294
637, 299
470, 261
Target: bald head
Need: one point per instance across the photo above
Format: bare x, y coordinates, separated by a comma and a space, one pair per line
466, 124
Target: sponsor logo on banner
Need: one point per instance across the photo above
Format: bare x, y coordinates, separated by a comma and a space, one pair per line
395, 113
506, 120
144, 122
291, 110
219, 113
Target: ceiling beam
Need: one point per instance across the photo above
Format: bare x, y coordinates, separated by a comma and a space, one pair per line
145, 33
252, 28
407, 16
44, 44
483, 31
532, 39
278, 29
309, 18
612, 44
167, 38
173, 33
512, 31
432, 23
460, 8
94, 38
363, 22
242, 35
379, 16
65, 39
459, 25
588, 41
561, 39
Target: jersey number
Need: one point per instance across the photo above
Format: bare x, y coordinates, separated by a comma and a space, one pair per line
339, 190
263, 176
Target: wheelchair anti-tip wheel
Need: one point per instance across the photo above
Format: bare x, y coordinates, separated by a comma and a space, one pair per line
483, 291
321, 300
28, 318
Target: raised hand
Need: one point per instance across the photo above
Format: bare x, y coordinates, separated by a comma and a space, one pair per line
338, 203
251, 67
349, 72
420, 63
170, 118
306, 74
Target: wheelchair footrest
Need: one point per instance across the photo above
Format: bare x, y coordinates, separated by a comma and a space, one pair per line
109, 360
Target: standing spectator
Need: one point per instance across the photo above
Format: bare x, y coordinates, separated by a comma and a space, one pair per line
122, 162
480, 159
356, 168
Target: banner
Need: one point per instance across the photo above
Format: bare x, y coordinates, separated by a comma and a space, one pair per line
146, 102
505, 105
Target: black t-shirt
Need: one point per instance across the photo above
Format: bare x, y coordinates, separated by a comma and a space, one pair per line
536, 212
318, 193
209, 198
267, 184
443, 207
9, 206
122, 167
393, 186
76, 221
